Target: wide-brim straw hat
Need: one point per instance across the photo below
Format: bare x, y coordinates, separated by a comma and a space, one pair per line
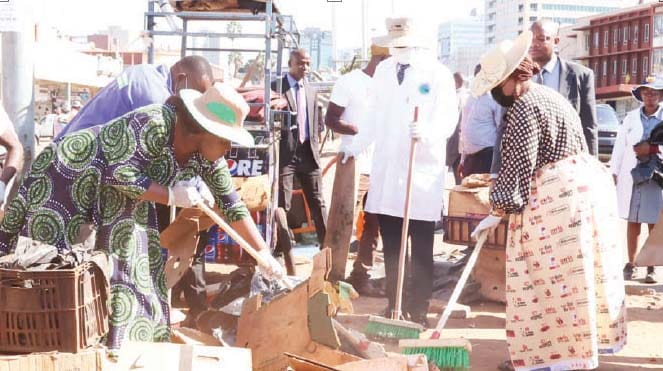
401, 32
651, 82
499, 63
220, 111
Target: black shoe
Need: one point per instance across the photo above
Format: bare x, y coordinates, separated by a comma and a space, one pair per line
629, 271
366, 287
421, 319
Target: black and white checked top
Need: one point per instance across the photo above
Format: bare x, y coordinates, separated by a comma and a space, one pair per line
540, 128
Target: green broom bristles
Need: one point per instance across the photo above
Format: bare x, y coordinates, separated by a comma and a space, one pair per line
445, 358
386, 331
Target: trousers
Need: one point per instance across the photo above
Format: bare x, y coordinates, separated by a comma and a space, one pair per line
418, 289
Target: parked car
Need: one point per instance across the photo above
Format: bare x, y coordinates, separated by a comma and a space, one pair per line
608, 125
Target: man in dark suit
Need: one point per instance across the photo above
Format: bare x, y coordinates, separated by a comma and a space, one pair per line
300, 142
574, 81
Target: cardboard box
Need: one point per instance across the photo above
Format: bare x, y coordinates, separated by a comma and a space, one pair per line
175, 357
467, 206
87, 360
469, 202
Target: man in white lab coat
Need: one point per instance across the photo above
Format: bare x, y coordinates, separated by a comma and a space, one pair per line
411, 78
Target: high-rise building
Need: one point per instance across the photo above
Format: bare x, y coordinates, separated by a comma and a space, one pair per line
461, 43
506, 19
319, 46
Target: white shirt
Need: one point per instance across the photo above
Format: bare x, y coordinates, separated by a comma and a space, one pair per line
429, 85
351, 92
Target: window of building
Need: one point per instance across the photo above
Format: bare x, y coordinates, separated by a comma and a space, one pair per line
578, 8
646, 35
624, 66
615, 36
605, 68
520, 21
532, 19
606, 35
491, 40
634, 66
635, 34
614, 67
596, 68
645, 66
521, 7
596, 39
533, 6
625, 35
587, 41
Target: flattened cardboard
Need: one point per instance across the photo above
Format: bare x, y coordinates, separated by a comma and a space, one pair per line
180, 238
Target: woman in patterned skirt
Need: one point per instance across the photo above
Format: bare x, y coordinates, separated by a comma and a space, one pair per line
564, 286
111, 175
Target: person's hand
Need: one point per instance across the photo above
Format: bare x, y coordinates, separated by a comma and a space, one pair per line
206, 194
488, 223
202, 188
347, 152
274, 269
460, 169
183, 196
642, 149
415, 131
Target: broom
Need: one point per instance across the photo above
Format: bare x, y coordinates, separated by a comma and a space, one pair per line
395, 328
448, 353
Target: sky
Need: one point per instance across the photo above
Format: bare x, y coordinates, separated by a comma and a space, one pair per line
80, 17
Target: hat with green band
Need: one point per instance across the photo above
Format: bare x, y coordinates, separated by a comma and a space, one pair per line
220, 111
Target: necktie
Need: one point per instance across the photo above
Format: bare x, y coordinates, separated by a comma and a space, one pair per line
301, 113
542, 75
401, 72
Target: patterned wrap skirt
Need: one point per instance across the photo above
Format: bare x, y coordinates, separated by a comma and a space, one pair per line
565, 289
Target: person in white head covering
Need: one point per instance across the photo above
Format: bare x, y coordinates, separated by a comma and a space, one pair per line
564, 287
411, 78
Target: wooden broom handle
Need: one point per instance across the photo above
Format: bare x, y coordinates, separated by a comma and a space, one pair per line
397, 312
483, 235
241, 241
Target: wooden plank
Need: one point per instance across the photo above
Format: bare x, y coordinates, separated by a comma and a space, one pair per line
181, 239
382, 364
278, 327
341, 217
320, 323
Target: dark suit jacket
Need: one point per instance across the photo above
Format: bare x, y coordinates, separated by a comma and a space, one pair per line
290, 131
576, 83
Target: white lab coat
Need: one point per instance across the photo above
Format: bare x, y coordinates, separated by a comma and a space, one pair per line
623, 159
390, 110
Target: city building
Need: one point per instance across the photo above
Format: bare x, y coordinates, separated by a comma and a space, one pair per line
506, 19
319, 45
461, 44
623, 48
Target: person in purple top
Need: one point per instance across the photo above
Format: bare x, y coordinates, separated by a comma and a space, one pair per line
139, 86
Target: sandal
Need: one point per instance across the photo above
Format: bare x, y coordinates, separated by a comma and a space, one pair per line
506, 366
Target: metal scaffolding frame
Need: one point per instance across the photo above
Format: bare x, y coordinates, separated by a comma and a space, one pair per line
277, 28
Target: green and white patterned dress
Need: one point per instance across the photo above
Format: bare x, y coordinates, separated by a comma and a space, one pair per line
96, 176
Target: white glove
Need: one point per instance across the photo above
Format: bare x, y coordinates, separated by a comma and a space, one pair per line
348, 152
3, 186
202, 188
415, 131
274, 270
183, 196
488, 223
